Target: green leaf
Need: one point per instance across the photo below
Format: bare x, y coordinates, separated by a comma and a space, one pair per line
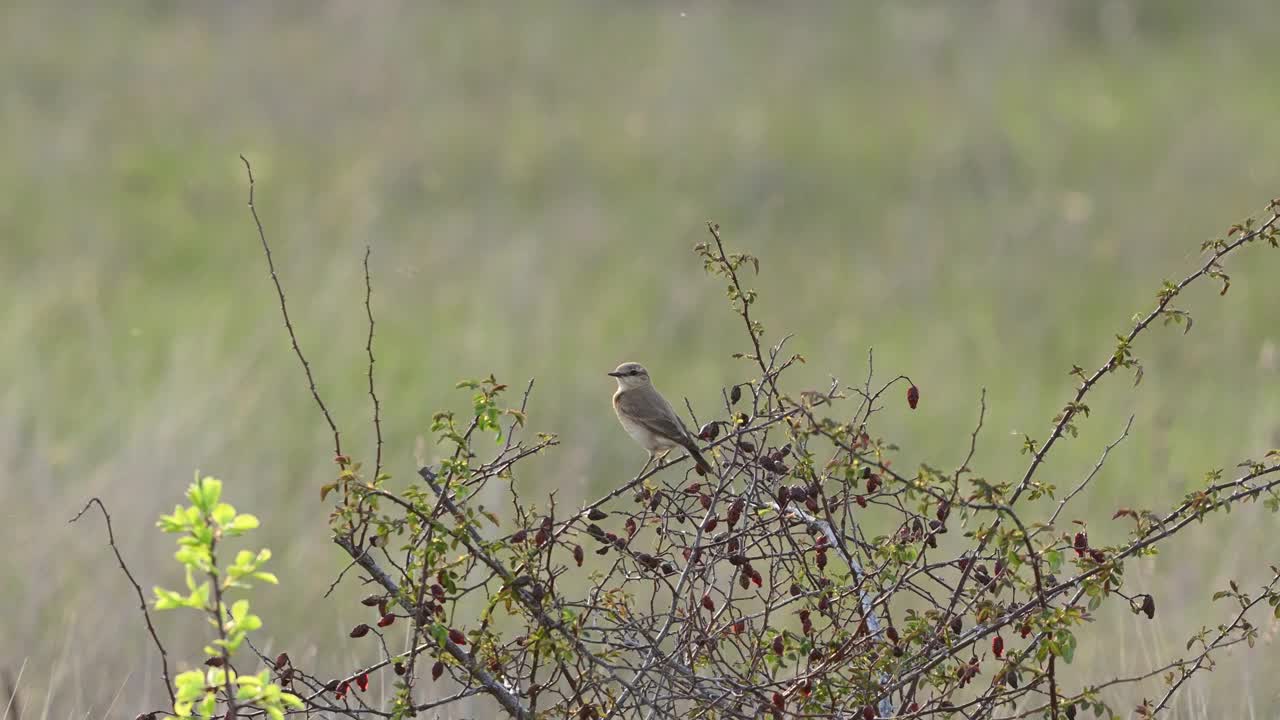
223, 513
204, 494
189, 684
267, 577
439, 632
167, 599
239, 610
208, 705
243, 522
1054, 557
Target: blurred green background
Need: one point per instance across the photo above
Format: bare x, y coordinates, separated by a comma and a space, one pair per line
984, 192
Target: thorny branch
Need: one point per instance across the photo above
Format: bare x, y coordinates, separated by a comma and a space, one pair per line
752, 591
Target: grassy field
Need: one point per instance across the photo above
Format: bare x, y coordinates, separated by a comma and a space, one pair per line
985, 195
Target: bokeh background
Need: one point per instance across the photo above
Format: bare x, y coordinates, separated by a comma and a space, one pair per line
984, 192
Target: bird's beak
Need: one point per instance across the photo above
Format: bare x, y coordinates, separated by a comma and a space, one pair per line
614, 374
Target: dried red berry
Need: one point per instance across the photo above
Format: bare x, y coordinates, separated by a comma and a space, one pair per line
735, 394
779, 701
1025, 630
710, 524
868, 713
1081, 543
457, 637
708, 603
862, 501
913, 396
709, 431
1149, 607
362, 681
735, 512
738, 627
873, 484
655, 500
386, 620
281, 660
437, 670
997, 646
359, 631
399, 668
577, 554
981, 574
371, 601
777, 645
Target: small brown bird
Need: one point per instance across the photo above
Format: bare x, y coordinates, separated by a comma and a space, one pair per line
649, 418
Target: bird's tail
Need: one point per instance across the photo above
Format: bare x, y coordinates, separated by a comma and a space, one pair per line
703, 465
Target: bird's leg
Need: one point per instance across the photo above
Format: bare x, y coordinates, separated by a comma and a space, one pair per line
662, 456
647, 463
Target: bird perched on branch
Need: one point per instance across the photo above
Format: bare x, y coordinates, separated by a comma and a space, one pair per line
649, 418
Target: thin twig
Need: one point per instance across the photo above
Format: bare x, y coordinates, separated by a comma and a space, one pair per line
284, 310
142, 601
377, 408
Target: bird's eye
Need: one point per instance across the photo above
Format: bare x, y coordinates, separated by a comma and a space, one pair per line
635, 372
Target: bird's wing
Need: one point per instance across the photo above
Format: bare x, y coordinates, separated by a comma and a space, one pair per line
655, 414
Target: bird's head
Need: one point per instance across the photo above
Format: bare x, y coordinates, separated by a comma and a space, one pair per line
631, 375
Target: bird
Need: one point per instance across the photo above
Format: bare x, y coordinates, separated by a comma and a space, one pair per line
648, 417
